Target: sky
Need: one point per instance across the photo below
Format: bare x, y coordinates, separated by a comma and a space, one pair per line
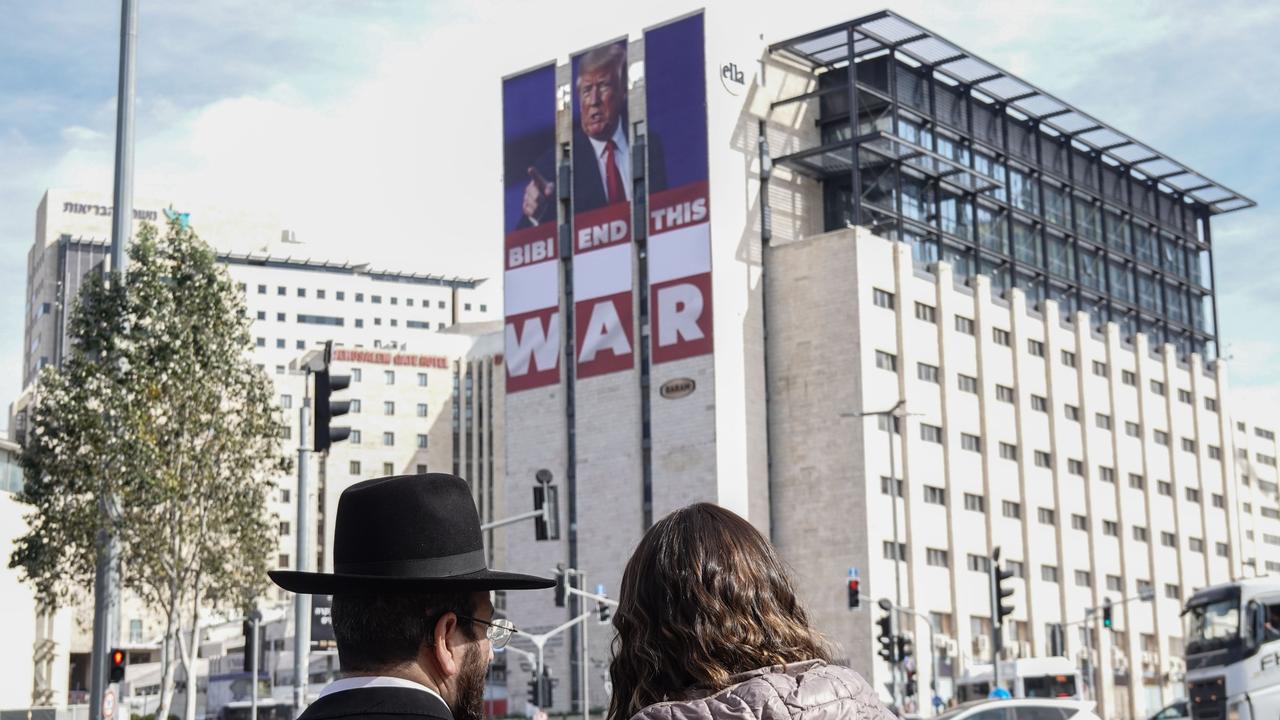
372, 128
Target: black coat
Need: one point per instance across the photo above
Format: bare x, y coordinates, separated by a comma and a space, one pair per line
378, 703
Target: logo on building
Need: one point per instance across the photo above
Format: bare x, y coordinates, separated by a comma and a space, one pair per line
677, 388
732, 78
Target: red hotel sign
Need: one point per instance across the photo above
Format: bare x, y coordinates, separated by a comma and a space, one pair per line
386, 358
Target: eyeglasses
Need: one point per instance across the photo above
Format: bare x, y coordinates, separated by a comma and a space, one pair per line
499, 632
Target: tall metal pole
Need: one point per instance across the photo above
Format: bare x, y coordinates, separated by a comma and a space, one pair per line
302, 601
106, 581
897, 555
585, 661
255, 618
1088, 655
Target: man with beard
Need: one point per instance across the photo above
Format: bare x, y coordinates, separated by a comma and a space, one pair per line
411, 608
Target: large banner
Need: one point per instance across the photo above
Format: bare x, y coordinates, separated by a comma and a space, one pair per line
602, 186
531, 273
679, 210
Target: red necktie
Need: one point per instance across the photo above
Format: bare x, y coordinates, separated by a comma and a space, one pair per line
612, 178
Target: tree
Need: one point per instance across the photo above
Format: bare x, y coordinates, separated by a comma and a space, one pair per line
158, 410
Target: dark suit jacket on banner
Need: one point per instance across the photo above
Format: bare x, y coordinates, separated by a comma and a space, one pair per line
378, 703
588, 186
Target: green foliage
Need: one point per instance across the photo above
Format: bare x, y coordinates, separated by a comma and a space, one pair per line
159, 409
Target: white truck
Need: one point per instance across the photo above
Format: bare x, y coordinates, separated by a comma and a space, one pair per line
1232, 635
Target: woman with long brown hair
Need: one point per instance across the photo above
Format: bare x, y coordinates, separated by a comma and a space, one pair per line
709, 627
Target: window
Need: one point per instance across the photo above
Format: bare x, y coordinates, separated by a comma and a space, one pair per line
964, 325
354, 438
422, 442
466, 306
930, 433
1008, 452
1072, 412
890, 486
1075, 467
422, 379
1161, 437
1040, 403
1132, 429
388, 438
976, 503
1136, 481
979, 563
283, 560
421, 469
300, 344
935, 495
935, 557
280, 290
1068, 358
1049, 573
341, 295
1115, 583
353, 467
1193, 495
1084, 578
388, 468
1099, 368
302, 292
1079, 522
375, 299
388, 407
1168, 539
1111, 528
262, 289
1221, 549
1043, 459
970, 442
285, 495
359, 322
1128, 377
319, 294
262, 314
1215, 452
280, 343
1188, 445
886, 361
1185, 396
356, 374
422, 409
1016, 568
284, 527
926, 312
1001, 337
1102, 420
1004, 393
927, 372
967, 383
1011, 509
1195, 544
1264, 434
894, 551
279, 369
1173, 592
1157, 387
354, 406
1106, 474
1035, 347
286, 401
1048, 516
883, 422
1264, 459
389, 376
1139, 533
1211, 404
1219, 501
1164, 487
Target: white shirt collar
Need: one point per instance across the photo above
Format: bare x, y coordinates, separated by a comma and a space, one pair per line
375, 681
619, 139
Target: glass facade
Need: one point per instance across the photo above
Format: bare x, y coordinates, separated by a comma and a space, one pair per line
964, 179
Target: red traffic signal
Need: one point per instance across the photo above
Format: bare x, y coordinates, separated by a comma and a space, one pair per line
854, 598
115, 664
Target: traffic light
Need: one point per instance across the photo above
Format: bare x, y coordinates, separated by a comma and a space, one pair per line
1106, 613
115, 664
562, 584
854, 600
888, 649
534, 685
909, 687
905, 648
250, 643
546, 498
328, 408
999, 592
601, 606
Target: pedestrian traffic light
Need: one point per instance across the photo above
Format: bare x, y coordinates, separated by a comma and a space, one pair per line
854, 600
1106, 613
328, 408
888, 649
562, 584
115, 664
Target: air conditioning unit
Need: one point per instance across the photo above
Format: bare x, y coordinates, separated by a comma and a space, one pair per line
1150, 659
1119, 663
942, 643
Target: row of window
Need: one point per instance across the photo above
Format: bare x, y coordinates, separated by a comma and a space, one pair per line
938, 496
334, 321
321, 294
939, 557
388, 440
928, 313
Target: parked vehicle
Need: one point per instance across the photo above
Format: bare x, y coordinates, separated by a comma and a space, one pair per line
1029, 709
1232, 639
1176, 710
1052, 677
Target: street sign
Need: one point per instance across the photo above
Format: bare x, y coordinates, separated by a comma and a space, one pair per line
109, 703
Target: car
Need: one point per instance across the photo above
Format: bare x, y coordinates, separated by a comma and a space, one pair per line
1173, 711
1022, 709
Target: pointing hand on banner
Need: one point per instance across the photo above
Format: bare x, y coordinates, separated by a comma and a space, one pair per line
538, 194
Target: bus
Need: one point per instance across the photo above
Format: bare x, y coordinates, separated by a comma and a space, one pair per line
1051, 677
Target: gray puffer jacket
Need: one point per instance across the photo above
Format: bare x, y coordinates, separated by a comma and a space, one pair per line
810, 690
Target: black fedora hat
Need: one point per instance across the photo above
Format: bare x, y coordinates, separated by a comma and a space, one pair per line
416, 533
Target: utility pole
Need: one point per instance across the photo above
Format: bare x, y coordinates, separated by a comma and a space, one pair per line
255, 618
106, 580
302, 601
